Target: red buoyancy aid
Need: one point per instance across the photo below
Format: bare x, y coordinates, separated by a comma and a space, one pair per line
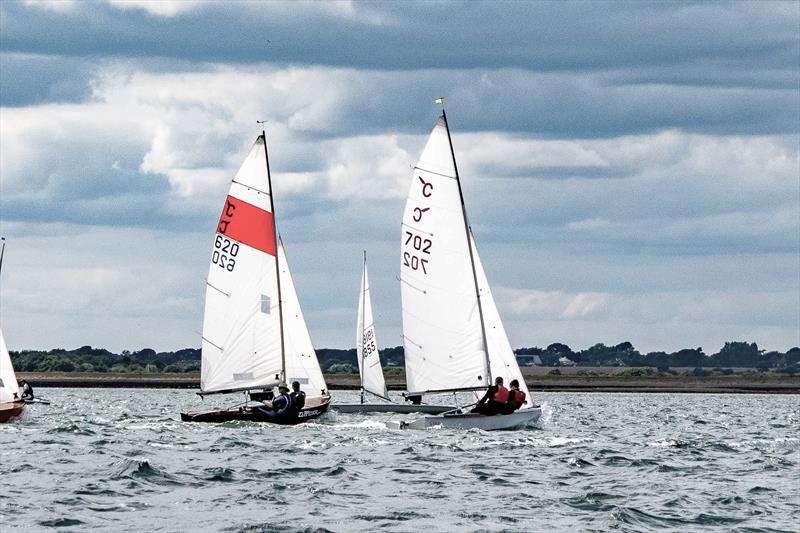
501, 396
517, 398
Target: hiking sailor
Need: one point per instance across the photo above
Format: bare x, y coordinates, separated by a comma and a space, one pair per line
27, 391
280, 405
494, 401
297, 397
516, 398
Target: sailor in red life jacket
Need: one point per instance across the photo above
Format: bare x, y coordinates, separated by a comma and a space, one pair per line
494, 401
516, 398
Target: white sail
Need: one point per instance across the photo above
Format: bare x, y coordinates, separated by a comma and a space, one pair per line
444, 346
502, 360
369, 362
8, 379
241, 325
301, 359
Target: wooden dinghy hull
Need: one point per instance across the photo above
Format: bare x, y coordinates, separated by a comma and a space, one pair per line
517, 419
251, 413
10, 411
405, 409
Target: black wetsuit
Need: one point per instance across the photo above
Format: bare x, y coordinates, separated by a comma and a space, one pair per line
298, 400
27, 392
281, 407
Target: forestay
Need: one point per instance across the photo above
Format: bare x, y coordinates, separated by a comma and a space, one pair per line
502, 360
369, 363
301, 359
442, 336
241, 325
8, 379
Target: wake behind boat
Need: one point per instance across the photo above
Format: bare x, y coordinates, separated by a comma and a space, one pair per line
453, 337
254, 333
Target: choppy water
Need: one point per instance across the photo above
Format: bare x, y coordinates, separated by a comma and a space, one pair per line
120, 460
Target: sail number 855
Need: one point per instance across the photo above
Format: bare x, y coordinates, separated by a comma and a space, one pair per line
224, 253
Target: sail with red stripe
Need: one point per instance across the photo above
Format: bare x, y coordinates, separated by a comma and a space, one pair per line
241, 324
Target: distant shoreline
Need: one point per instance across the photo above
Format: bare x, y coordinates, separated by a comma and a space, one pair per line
766, 383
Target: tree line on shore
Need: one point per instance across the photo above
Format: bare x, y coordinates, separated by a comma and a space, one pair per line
732, 354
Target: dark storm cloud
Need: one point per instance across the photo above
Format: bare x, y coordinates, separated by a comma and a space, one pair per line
31, 79
559, 69
537, 35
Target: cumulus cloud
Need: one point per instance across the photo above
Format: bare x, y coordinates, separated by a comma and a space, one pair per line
164, 8
630, 171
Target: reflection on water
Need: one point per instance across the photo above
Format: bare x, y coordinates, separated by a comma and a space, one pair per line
121, 460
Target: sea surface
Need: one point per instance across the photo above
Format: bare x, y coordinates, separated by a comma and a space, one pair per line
121, 460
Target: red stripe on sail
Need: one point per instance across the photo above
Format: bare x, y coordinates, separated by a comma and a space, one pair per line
247, 224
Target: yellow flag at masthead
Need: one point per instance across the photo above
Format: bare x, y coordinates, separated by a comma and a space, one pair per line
439, 101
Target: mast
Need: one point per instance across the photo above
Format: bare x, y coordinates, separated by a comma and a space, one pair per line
471, 256
277, 264
363, 313
3, 251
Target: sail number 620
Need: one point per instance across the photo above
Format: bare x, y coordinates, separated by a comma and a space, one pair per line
224, 253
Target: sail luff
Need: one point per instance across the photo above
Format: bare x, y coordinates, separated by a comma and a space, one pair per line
487, 362
367, 355
277, 266
362, 359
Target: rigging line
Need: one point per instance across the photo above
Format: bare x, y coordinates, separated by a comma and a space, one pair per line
433, 172
405, 338
416, 229
250, 187
423, 291
220, 348
218, 289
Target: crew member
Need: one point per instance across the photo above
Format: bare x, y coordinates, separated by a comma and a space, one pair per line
297, 397
516, 398
495, 399
280, 404
27, 391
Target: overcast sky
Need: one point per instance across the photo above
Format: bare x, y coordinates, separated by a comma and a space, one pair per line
631, 170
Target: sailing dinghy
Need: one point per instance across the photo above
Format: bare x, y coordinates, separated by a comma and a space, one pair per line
254, 333
11, 405
369, 364
453, 337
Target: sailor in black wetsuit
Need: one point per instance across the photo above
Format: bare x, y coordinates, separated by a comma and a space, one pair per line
297, 397
27, 391
281, 405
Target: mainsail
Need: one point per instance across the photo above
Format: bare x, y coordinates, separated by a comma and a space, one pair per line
447, 329
369, 363
8, 379
253, 334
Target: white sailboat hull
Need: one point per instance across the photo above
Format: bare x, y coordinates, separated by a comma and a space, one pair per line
517, 419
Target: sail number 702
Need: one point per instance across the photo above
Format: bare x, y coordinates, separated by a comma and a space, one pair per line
421, 246
224, 252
